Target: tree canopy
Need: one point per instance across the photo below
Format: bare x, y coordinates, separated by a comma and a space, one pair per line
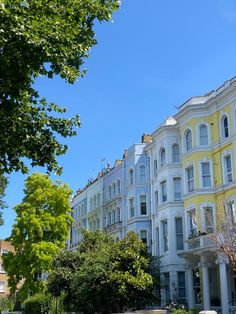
105, 276
41, 229
41, 38
3, 184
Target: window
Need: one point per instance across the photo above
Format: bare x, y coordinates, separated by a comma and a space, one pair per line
98, 199
142, 174
225, 127
203, 135
163, 191
114, 189
131, 207
143, 236
156, 199
175, 153
190, 179
118, 186
155, 168
165, 235
118, 214
197, 286
113, 216
208, 217
143, 205
109, 218
206, 174
95, 201
131, 176
188, 140
228, 169
181, 286
179, 233
157, 242
109, 192
2, 269
2, 286
91, 203
167, 286
192, 222
177, 189
98, 223
162, 157
231, 211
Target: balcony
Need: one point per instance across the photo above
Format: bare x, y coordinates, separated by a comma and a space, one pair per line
113, 227
199, 242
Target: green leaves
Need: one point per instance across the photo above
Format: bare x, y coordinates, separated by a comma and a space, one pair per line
41, 230
41, 39
105, 276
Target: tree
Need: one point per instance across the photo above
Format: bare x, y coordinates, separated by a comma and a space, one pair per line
224, 235
105, 276
3, 185
41, 229
41, 38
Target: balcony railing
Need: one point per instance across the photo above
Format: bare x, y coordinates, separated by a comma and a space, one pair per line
200, 242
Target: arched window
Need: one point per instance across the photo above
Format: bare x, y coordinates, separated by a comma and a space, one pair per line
142, 174
131, 176
118, 186
109, 192
162, 156
114, 189
225, 127
118, 214
155, 167
175, 153
188, 140
203, 134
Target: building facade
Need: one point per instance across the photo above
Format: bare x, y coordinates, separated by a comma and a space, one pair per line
171, 189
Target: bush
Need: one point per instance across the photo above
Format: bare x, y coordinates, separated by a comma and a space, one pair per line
7, 303
38, 304
180, 311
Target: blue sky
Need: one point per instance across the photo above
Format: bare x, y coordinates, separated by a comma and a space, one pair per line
154, 56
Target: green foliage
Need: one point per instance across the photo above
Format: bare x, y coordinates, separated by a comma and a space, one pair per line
103, 275
181, 311
7, 303
41, 229
3, 184
38, 304
41, 38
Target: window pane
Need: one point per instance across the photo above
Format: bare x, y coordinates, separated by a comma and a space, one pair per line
164, 191
177, 188
203, 135
175, 153
206, 176
188, 140
143, 205
179, 234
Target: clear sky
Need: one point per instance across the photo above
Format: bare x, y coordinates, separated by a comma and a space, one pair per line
155, 55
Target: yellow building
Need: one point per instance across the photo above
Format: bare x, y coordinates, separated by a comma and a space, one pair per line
208, 134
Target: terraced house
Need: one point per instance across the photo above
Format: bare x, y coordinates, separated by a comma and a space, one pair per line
170, 189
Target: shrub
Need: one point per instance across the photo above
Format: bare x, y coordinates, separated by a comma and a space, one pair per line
38, 304
180, 311
7, 303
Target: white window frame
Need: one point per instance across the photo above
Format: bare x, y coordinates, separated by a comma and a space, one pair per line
204, 220
192, 227
140, 204
162, 185
177, 234
188, 181
174, 154
225, 172
165, 237
207, 134
186, 143
162, 156
222, 127
174, 192
201, 162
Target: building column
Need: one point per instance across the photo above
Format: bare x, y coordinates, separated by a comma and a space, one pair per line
205, 284
223, 285
190, 294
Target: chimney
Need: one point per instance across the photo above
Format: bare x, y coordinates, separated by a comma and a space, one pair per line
146, 138
125, 154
